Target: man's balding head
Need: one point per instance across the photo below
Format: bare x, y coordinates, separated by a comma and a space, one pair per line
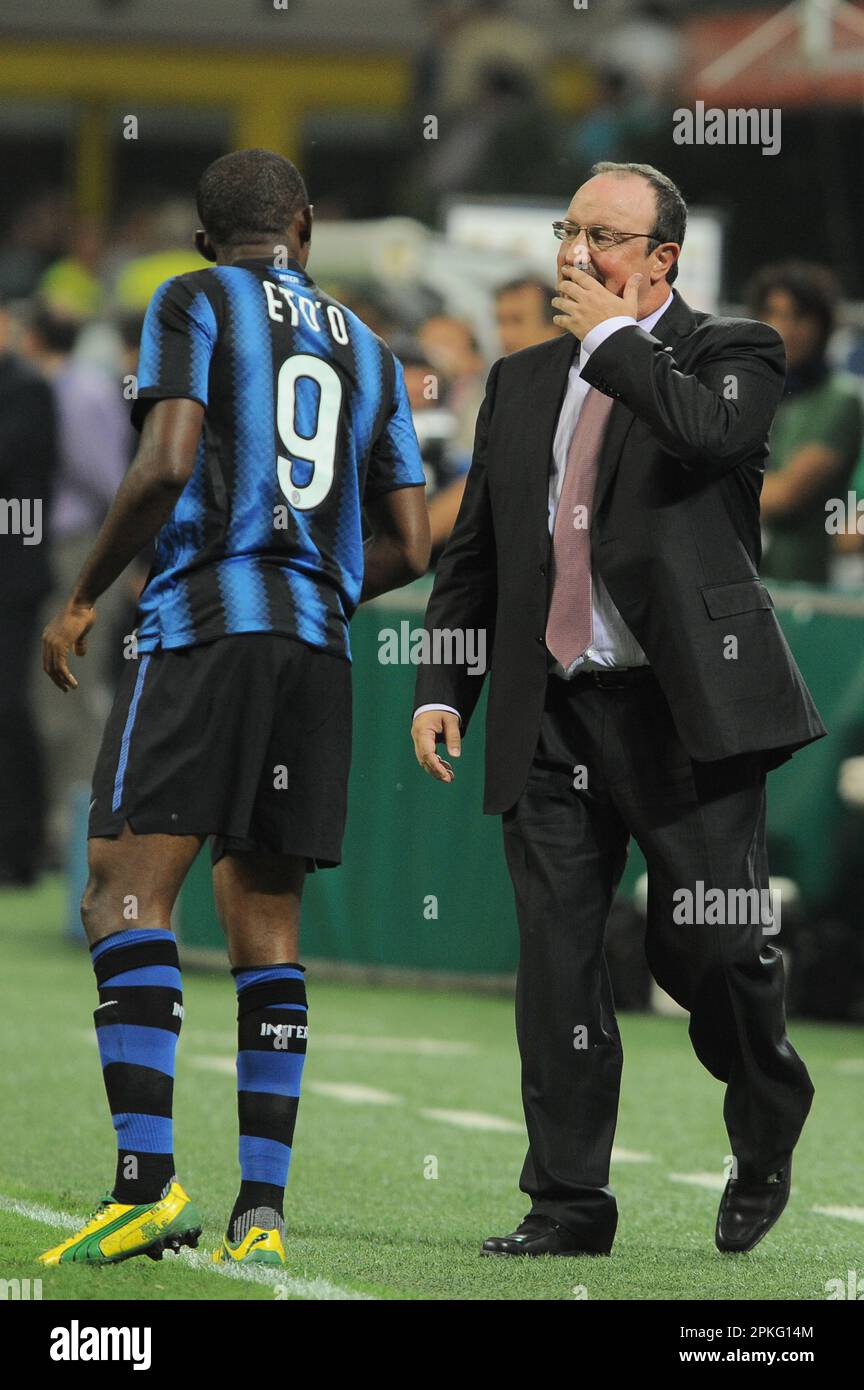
631, 198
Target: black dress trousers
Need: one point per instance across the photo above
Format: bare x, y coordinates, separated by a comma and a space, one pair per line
609, 764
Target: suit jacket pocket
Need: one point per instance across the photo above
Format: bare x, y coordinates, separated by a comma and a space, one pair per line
742, 596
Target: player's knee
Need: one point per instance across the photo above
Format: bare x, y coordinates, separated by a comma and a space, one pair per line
93, 904
102, 902
107, 908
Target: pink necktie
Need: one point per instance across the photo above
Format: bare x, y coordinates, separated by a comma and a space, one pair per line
570, 627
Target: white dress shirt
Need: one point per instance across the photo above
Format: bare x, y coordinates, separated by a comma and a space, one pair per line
613, 644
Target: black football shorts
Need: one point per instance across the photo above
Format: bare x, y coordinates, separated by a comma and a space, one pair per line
246, 738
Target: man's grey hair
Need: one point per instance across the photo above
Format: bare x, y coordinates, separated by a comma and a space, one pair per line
670, 221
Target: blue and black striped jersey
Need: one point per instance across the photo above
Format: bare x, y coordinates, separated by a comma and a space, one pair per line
306, 418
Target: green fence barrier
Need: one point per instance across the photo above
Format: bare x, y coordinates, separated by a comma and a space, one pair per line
423, 884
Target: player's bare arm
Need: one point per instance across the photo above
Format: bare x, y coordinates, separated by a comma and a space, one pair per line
161, 469
399, 547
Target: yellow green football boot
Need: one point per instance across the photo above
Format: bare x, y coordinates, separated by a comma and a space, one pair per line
256, 1248
117, 1232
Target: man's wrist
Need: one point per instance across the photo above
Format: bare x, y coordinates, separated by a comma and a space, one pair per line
603, 330
423, 709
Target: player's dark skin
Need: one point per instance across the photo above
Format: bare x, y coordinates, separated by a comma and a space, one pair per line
134, 879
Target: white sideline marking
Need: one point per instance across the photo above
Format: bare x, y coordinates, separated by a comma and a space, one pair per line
251, 1274
473, 1119
420, 1047
853, 1065
226, 1065
273, 1277
349, 1091
476, 1119
714, 1181
34, 1212
353, 1093
845, 1213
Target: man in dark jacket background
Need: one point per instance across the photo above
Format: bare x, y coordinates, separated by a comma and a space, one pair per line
27, 463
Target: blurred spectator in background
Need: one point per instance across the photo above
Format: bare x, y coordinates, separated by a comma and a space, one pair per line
638, 62
445, 466
93, 449
524, 312
443, 17
647, 48
73, 283
847, 566
478, 37
816, 437
33, 241
167, 233
367, 305
27, 466
502, 140
482, 75
453, 350
603, 130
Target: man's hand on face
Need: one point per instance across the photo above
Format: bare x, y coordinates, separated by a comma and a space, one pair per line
583, 302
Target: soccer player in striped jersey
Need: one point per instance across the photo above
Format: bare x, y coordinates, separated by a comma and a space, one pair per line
272, 421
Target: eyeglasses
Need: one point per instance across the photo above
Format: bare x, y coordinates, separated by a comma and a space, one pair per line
598, 238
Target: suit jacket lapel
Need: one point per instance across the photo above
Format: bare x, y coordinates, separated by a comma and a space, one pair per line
675, 323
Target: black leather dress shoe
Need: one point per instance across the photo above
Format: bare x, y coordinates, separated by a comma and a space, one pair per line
538, 1235
748, 1210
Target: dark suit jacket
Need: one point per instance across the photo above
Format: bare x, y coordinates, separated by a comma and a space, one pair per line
674, 535
28, 460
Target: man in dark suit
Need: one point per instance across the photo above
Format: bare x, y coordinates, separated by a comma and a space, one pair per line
28, 460
608, 544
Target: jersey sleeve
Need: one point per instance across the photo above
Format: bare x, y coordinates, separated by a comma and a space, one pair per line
177, 342
395, 459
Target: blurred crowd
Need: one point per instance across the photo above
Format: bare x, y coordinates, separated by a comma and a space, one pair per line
483, 73
72, 303
71, 309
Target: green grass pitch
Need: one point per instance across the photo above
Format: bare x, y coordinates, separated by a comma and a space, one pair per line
364, 1217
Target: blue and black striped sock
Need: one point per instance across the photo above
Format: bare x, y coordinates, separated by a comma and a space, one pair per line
137, 1025
271, 1050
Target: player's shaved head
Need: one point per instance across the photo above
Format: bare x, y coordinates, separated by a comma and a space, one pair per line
249, 196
